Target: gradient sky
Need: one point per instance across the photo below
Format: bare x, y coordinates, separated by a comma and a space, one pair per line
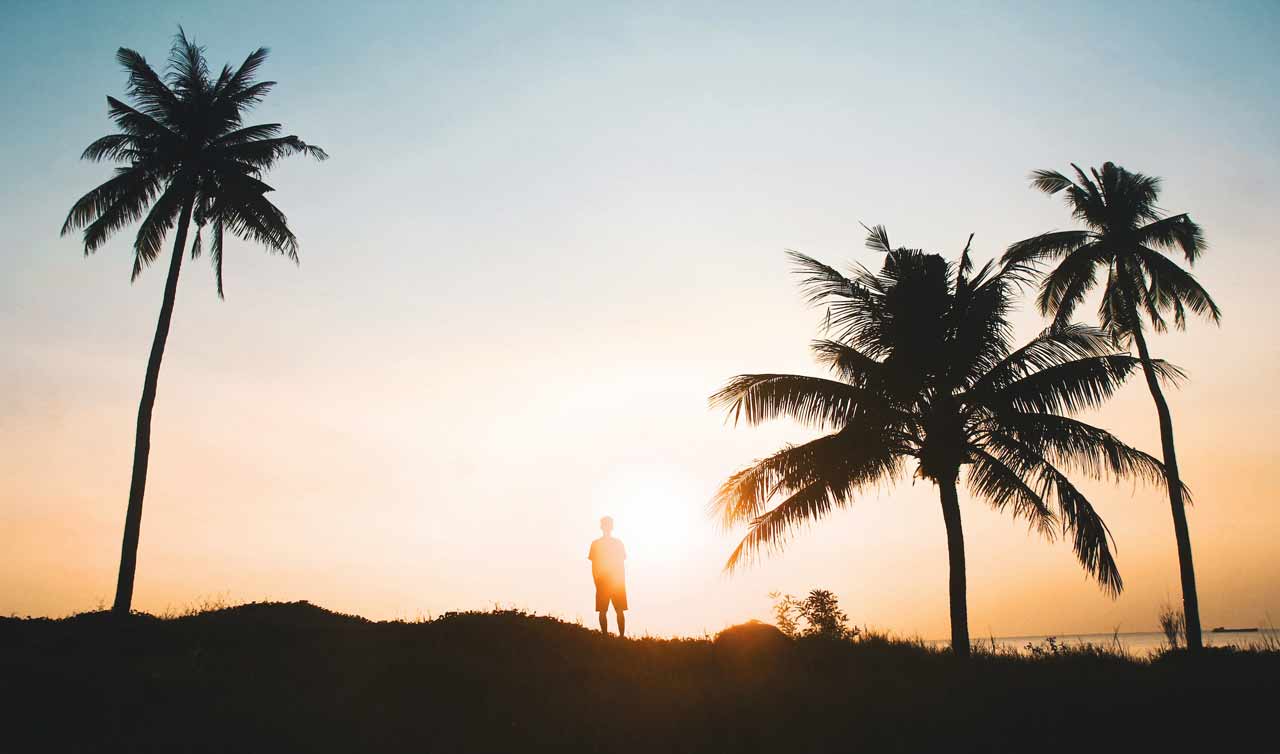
547, 232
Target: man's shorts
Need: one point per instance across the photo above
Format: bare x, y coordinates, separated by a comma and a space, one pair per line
607, 592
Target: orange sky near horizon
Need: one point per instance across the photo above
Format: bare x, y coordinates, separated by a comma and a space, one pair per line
509, 326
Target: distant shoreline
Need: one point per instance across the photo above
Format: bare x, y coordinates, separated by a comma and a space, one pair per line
1142, 642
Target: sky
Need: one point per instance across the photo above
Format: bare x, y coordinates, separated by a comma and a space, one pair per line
547, 232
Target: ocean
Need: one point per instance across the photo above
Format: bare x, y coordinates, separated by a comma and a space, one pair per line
1136, 643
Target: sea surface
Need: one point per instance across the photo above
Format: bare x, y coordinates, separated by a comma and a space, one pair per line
1136, 643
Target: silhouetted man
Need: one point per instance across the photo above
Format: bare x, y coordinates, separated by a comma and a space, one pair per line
606, 556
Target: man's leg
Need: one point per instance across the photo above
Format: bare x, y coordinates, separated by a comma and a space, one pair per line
622, 623
604, 621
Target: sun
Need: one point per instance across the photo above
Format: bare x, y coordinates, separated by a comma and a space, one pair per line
656, 509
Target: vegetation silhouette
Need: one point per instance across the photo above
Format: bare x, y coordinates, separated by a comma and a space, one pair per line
1127, 236
1172, 624
185, 154
818, 614
924, 369
295, 677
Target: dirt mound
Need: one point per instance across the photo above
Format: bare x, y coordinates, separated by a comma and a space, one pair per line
301, 614
752, 638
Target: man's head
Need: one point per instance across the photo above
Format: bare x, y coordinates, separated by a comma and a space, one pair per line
606, 525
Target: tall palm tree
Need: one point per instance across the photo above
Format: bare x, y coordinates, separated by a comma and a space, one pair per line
185, 155
924, 369
1127, 237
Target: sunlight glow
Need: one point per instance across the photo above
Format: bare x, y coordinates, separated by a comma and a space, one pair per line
657, 511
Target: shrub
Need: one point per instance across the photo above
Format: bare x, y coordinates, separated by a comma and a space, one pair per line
818, 614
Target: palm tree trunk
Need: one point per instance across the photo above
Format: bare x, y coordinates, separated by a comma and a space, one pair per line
142, 441
1190, 602
955, 554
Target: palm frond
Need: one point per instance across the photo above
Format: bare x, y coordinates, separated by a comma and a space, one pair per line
989, 478
255, 218
1133, 194
980, 331
224, 78
1065, 288
770, 529
236, 93
1071, 387
1174, 288
215, 254
188, 71
1114, 313
853, 366
112, 205
242, 79
1046, 246
820, 282
878, 239
1085, 199
1048, 349
111, 147
1076, 444
965, 267
1176, 233
232, 107
815, 477
853, 304
139, 125
151, 234
1153, 301
147, 89
1049, 181
264, 153
248, 134
1090, 538
812, 401
1075, 275
745, 495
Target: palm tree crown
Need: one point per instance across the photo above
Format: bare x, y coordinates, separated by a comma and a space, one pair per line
1126, 237
923, 370
184, 148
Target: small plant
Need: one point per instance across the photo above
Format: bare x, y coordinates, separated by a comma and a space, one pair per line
210, 604
1047, 648
818, 614
785, 613
1173, 625
1268, 639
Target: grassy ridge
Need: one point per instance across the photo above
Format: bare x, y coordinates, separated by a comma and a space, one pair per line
294, 677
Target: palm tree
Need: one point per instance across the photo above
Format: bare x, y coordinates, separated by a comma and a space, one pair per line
184, 155
1127, 236
923, 369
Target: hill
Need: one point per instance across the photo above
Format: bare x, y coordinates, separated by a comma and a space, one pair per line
296, 677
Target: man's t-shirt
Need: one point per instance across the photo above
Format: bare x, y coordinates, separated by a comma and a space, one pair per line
607, 555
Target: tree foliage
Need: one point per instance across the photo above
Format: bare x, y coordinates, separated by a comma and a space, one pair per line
183, 148
818, 614
1125, 243
923, 372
